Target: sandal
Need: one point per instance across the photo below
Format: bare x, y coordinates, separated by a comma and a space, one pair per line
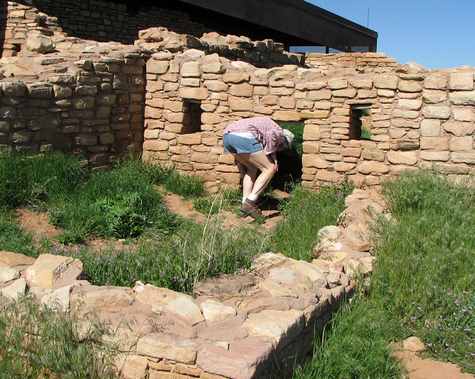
249, 208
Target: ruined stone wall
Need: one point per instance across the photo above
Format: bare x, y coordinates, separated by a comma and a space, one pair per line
417, 119
103, 20
17, 21
92, 107
360, 62
256, 324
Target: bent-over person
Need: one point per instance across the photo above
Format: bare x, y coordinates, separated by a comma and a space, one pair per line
254, 143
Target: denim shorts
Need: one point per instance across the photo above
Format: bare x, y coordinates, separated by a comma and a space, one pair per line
241, 145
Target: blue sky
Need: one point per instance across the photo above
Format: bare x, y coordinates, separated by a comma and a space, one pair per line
434, 33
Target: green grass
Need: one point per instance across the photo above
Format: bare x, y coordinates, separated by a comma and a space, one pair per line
12, 237
365, 134
32, 180
304, 216
38, 343
422, 285
120, 203
184, 185
177, 261
228, 199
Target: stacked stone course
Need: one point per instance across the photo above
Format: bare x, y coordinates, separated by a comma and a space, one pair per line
377, 63
418, 119
257, 324
89, 104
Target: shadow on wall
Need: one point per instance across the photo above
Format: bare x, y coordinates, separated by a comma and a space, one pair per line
3, 24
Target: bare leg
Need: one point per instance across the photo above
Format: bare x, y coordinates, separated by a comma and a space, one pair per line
260, 161
248, 181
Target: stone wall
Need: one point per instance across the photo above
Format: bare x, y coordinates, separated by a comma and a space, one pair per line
256, 324
417, 118
360, 62
103, 20
90, 105
17, 21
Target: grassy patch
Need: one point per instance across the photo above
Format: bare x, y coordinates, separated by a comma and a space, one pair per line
31, 348
229, 199
179, 260
304, 216
12, 237
119, 203
184, 185
422, 285
32, 180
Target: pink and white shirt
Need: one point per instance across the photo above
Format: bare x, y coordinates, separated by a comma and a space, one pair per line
264, 129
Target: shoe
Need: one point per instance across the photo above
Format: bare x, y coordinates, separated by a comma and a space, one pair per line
249, 208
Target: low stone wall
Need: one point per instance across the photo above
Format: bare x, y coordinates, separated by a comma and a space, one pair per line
416, 118
251, 325
90, 104
376, 63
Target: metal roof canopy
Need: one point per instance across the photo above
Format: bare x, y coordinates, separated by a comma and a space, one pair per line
296, 18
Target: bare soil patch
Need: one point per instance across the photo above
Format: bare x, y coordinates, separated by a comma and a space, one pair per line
184, 208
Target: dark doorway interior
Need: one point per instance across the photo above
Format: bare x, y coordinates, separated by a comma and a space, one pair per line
3, 24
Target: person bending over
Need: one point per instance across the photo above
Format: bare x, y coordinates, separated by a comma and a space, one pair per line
254, 143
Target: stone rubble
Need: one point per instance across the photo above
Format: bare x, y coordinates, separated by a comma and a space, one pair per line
235, 326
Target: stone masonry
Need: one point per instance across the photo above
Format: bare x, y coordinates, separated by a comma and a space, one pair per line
176, 93
256, 324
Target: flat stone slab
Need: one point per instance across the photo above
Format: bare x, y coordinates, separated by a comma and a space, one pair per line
53, 271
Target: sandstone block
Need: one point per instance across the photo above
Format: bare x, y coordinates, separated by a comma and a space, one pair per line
311, 133
312, 85
386, 82
409, 86
14, 290
157, 67
459, 129
155, 145
328, 176
216, 85
39, 43
190, 70
413, 104
241, 90
436, 111
215, 311
435, 143
430, 128
134, 367
240, 104
337, 83
433, 96
347, 93
279, 326
462, 97
463, 114
365, 83
373, 167
169, 347
464, 157
324, 94
436, 81
402, 157
165, 300
58, 299
236, 77
311, 160
462, 81
287, 102
344, 167
194, 93
189, 139
442, 156
15, 260
53, 271
318, 114
373, 154
8, 274
403, 113
287, 116
461, 143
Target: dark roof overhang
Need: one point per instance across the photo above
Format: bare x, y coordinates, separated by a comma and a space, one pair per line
304, 21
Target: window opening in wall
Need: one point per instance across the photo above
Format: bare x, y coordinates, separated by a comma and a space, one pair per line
16, 49
192, 116
360, 124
